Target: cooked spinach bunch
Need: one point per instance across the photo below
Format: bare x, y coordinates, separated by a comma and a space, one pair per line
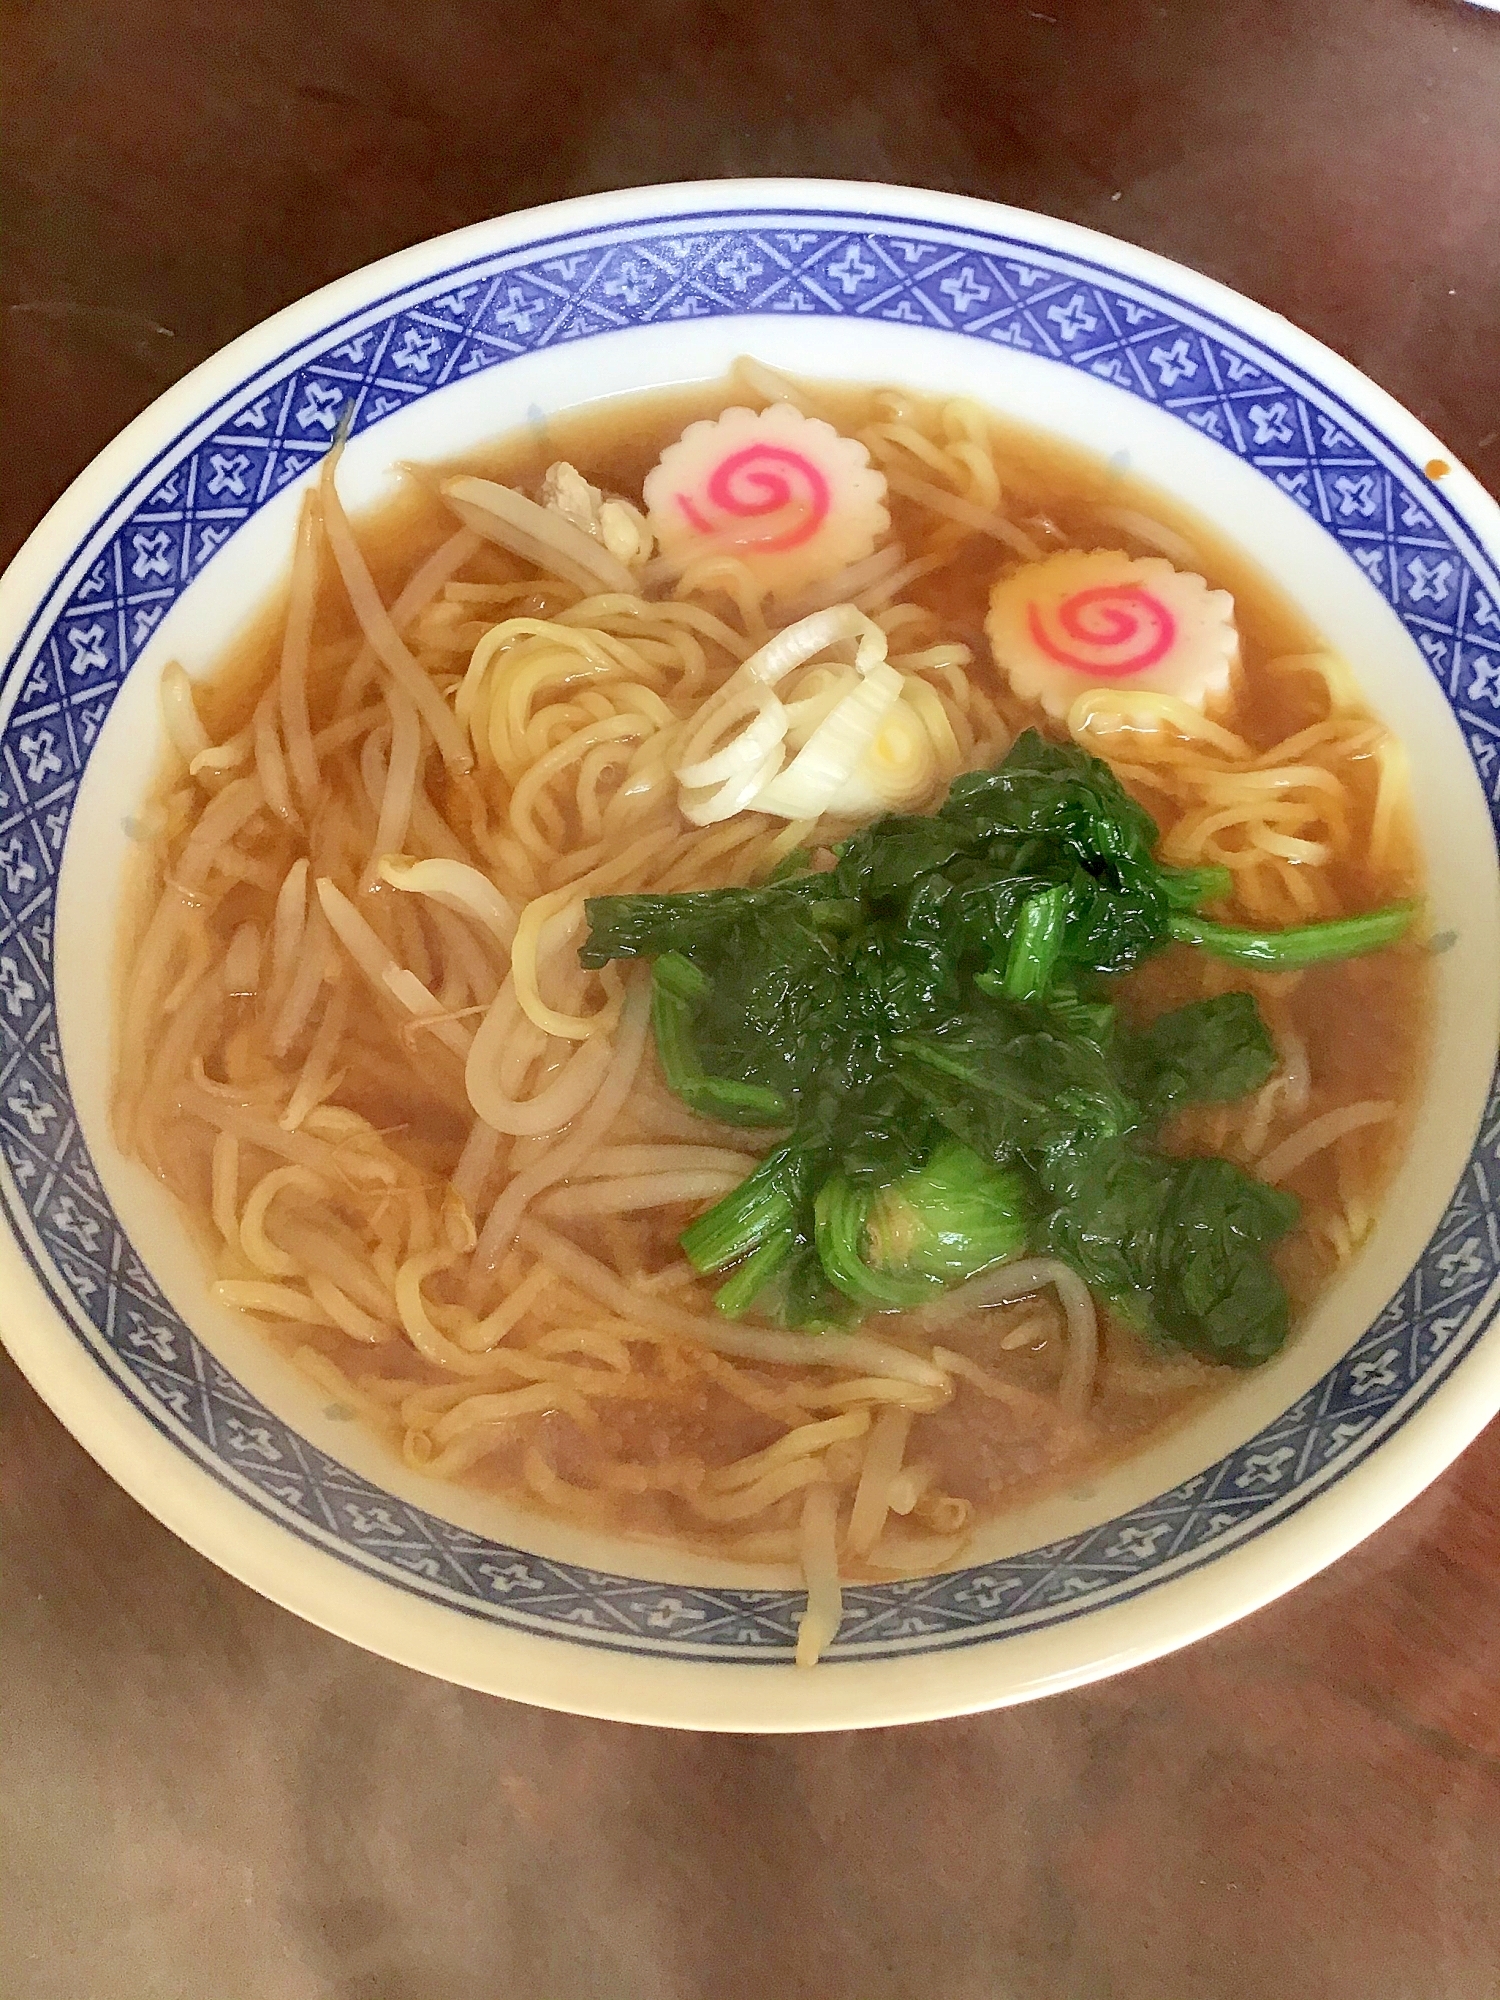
931, 1021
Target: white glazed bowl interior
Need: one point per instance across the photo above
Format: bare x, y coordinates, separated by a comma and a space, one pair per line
168, 544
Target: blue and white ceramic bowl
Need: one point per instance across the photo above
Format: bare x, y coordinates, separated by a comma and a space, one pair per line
168, 541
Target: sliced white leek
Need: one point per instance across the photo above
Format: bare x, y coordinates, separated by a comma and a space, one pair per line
819, 694
899, 772
939, 730
751, 747
861, 737
734, 796
828, 760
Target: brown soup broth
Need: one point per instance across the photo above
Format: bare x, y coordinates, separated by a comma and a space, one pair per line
1362, 1023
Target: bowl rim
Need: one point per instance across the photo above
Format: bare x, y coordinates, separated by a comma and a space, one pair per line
323, 1586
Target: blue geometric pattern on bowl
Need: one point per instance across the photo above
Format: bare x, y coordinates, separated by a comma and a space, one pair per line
988, 287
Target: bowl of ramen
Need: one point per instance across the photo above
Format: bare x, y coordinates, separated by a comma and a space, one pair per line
749, 956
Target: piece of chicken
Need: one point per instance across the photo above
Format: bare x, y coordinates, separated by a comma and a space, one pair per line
618, 526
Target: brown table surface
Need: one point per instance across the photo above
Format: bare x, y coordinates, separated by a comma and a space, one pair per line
206, 1798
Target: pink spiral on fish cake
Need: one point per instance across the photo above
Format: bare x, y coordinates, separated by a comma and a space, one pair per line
761, 482
1113, 630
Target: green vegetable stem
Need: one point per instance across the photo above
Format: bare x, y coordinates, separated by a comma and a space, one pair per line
766, 1203
1034, 949
1306, 944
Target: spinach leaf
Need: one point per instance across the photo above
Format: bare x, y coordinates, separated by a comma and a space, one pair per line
1217, 1292
698, 923
780, 1010
1013, 1081
1082, 1010
877, 1130
679, 990
887, 858
1108, 1204
1058, 792
1177, 1246
1209, 1052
